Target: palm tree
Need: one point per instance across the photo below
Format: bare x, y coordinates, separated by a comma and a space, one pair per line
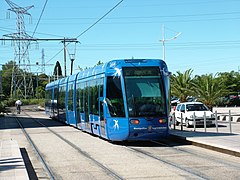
231, 80
209, 89
182, 85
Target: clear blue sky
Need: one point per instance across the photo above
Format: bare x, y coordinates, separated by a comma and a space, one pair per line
209, 43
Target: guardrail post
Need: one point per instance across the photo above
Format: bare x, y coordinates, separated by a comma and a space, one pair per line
205, 123
216, 121
181, 122
174, 121
194, 121
230, 123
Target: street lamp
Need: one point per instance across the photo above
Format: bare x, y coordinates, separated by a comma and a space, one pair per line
164, 40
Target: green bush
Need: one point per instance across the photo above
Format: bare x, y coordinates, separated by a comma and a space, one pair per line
2, 106
11, 102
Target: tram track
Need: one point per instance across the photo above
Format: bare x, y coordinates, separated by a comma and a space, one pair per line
198, 175
199, 155
46, 167
107, 170
192, 170
177, 159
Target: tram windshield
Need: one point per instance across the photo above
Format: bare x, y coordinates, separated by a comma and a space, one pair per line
144, 91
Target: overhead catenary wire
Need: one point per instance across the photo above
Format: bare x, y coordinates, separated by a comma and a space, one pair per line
142, 17
40, 17
183, 46
102, 17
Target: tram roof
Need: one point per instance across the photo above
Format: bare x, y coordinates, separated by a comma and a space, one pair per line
97, 70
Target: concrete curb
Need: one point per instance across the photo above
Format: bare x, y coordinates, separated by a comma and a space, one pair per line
203, 145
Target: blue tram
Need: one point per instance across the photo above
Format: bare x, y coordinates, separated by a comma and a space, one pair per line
119, 100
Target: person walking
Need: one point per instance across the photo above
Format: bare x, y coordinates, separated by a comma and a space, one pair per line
18, 104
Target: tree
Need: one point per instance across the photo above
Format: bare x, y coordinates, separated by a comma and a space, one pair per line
182, 85
231, 81
57, 69
99, 63
209, 89
79, 68
86, 68
7, 78
40, 81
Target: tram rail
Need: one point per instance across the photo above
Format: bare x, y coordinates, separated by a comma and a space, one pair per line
176, 159
46, 167
107, 170
141, 149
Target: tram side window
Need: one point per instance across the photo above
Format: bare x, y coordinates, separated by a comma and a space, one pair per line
70, 97
90, 89
55, 97
101, 95
88, 96
100, 83
115, 97
78, 100
81, 96
62, 97
48, 98
93, 96
86, 101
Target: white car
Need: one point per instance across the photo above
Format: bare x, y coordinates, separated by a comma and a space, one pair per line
191, 109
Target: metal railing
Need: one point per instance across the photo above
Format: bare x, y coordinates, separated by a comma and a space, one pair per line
227, 123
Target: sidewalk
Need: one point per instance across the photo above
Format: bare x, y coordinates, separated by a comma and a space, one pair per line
11, 162
222, 141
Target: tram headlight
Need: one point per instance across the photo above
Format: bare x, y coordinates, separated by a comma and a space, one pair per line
162, 121
134, 121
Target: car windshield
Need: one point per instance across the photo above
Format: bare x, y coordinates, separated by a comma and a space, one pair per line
196, 107
144, 90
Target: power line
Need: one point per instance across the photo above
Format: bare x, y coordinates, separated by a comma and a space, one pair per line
182, 44
89, 27
180, 3
37, 39
100, 19
157, 21
148, 17
40, 18
11, 29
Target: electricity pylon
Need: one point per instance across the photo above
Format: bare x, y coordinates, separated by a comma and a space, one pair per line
22, 84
